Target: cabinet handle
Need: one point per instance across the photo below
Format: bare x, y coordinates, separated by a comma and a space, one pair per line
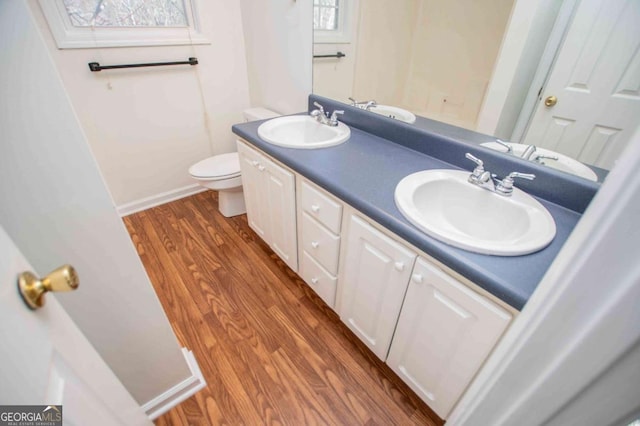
315, 244
314, 280
315, 208
417, 278
254, 163
399, 266
261, 167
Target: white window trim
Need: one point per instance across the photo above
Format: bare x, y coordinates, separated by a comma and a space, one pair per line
69, 37
343, 33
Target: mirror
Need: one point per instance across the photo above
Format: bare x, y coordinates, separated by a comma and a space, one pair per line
436, 60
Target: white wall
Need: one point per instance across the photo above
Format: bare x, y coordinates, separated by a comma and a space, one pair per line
431, 57
57, 210
147, 126
382, 61
455, 46
278, 39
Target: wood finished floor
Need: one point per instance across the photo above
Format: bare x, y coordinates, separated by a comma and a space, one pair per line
271, 351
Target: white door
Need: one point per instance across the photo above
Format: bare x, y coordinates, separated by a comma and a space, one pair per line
596, 80
45, 359
444, 334
375, 277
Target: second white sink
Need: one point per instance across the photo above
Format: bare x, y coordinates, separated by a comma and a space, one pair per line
559, 162
394, 112
302, 132
444, 205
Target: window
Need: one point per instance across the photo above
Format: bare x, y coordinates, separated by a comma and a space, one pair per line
330, 21
113, 23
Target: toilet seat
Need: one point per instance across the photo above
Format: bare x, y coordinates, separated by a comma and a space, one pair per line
218, 167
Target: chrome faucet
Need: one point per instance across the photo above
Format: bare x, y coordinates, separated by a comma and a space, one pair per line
506, 145
505, 186
480, 176
528, 152
365, 105
323, 117
490, 182
318, 113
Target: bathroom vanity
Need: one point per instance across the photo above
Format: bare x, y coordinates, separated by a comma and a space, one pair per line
431, 311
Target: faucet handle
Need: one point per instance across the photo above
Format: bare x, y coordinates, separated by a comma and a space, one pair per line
320, 107
334, 117
504, 144
479, 163
353, 101
505, 186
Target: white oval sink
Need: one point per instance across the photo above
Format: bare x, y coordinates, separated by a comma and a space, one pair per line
563, 163
394, 112
444, 205
303, 132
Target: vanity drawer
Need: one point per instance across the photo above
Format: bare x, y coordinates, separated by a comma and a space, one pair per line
323, 283
323, 245
321, 207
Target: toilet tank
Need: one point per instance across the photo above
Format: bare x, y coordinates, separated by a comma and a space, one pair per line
259, 113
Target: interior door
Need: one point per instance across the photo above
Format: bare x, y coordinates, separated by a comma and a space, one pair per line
596, 83
45, 359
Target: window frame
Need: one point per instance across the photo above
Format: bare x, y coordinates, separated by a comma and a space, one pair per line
343, 32
68, 36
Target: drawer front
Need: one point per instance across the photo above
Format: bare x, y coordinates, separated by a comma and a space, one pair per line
321, 207
323, 283
323, 245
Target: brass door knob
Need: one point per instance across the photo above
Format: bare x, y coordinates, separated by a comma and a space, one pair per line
33, 289
550, 101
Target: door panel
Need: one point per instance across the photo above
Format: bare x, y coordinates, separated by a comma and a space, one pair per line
596, 78
444, 334
375, 278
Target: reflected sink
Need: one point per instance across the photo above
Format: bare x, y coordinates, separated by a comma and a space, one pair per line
563, 163
303, 132
394, 112
444, 205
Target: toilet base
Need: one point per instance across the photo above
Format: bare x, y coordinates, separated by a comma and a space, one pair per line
231, 202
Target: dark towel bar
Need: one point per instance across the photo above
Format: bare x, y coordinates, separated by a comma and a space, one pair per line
95, 66
336, 55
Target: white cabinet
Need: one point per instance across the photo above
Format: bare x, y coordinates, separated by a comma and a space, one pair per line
374, 278
444, 334
436, 331
320, 218
269, 193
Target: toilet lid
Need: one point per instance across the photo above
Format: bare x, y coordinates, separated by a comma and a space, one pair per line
218, 166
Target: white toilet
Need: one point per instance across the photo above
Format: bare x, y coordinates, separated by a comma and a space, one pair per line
222, 172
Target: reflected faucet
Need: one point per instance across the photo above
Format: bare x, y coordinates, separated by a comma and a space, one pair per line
365, 105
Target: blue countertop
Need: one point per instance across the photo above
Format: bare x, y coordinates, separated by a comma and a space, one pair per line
364, 172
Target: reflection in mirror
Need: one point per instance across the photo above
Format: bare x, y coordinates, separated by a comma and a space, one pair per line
486, 65
429, 57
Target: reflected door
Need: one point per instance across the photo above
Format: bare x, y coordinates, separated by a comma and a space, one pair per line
596, 85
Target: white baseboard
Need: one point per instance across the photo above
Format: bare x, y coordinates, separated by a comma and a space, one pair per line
156, 200
178, 393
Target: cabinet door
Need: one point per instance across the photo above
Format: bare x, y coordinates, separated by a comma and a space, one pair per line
374, 281
281, 199
253, 174
444, 334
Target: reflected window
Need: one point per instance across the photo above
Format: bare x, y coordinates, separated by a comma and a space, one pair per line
331, 21
326, 14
